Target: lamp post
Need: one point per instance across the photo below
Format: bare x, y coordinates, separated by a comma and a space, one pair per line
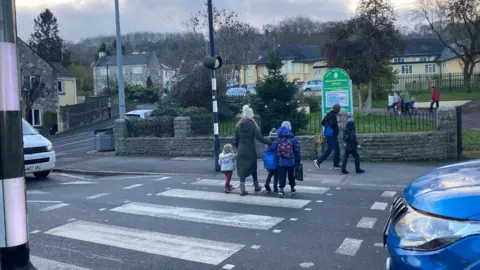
121, 86
14, 247
108, 93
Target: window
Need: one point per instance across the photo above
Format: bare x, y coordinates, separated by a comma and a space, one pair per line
398, 60
30, 81
250, 72
444, 65
137, 70
430, 68
289, 66
422, 59
406, 69
296, 68
60, 87
36, 117
305, 68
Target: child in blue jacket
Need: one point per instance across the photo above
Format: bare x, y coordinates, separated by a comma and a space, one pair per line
270, 162
288, 149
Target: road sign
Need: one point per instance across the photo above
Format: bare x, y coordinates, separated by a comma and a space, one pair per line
337, 89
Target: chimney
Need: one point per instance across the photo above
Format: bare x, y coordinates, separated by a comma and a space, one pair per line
101, 54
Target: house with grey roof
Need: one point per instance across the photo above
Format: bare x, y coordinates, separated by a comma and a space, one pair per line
136, 70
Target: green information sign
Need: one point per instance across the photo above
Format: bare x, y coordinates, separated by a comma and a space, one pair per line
337, 89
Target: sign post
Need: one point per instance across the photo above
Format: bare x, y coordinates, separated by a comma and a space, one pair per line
337, 89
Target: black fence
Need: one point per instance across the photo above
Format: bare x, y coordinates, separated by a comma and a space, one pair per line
446, 82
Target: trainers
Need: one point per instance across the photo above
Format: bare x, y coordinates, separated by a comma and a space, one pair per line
315, 162
360, 171
281, 193
293, 191
267, 188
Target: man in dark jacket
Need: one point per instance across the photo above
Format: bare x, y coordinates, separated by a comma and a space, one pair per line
332, 140
351, 145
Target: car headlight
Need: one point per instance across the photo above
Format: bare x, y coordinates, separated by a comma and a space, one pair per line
49, 147
422, 232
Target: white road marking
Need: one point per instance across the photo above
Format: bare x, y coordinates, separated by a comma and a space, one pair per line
35, 231
149, 194
66, 144
389, 194
133, 186
349, 247
36, 192
190, 158
293, 219
255, 247
53, 207
161, 179
46, 264
366, 223
228, 266
221, 183
102, 209
307, 264
378, 245
217, 196
174, 246
329, 194
98, 196
308, 209
277, 231
200, 215
72, 176
319, 201
78, 183
379, 206
72, 219
36, 201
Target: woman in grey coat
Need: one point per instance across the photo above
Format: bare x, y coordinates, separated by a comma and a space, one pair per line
246, 133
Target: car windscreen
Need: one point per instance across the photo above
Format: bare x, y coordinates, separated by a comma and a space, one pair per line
28, 129
133, 116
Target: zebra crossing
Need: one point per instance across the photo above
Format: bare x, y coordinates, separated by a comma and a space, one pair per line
209, 206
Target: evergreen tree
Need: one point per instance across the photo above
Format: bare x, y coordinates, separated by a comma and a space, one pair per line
114, 48
274, 100
149, 82
45, 39
104, 49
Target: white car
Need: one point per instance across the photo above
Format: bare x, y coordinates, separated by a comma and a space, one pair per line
38, 154
313, 86
142, 114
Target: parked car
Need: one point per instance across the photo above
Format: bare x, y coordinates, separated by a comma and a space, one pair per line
312, 86
142, 114
239, 91
38, 154
435, 223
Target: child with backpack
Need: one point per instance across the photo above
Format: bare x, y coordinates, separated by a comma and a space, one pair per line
226, 160
270, 163
288, 149
351, 145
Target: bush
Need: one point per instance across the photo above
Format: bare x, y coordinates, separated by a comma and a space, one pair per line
194, 111
151, 127
313, 102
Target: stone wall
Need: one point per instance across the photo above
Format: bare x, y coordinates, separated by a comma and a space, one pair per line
412, 146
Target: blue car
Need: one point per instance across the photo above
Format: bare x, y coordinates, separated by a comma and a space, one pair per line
435, 224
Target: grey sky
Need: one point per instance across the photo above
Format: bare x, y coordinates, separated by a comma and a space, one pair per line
86, 18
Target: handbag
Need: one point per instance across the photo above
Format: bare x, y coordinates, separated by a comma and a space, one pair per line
299, 172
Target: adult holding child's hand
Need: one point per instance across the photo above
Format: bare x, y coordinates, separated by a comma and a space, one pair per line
246, 132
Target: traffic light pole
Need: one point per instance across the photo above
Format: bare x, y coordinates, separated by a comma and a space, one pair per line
216, 139
14, 249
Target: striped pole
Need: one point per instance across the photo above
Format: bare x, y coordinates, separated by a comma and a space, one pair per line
14, 249
216, 139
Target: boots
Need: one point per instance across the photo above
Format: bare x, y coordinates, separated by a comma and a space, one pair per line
257, 187
243, 192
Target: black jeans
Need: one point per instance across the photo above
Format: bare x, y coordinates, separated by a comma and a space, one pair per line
431, 105
355, 155
274, 174
332, 145
283, 172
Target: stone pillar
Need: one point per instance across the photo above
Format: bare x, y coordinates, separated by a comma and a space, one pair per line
446, 120
120, 132
182, 126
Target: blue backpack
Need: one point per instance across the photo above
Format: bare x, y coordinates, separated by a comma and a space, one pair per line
328, 131
270, 159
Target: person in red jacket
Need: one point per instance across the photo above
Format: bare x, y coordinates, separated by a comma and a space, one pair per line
435, 98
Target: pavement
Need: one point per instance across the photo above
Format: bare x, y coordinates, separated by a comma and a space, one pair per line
175, 221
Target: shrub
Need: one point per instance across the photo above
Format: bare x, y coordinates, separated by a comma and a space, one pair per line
313, 102
151, 127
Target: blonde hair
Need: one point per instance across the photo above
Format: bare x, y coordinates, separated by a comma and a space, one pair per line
247, 114
227, 148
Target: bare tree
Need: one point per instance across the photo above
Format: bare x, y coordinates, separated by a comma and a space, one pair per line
32, 90
456, 23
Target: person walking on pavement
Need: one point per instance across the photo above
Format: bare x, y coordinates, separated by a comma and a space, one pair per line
246, 132
331, 131
226, 160
435, 98
270, 162
288, 149
351, 145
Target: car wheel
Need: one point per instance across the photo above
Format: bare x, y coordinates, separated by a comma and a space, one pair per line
308, 90
42, 174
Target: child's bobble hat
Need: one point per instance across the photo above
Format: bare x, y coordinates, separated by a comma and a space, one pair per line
273, 134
